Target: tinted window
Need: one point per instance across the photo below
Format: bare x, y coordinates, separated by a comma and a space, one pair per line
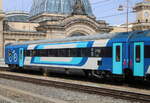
138, 52
97, 52
118, 53
71, 52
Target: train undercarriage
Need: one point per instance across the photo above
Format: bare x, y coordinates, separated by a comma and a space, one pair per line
99, 74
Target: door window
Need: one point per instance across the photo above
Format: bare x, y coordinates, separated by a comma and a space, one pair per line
21, 53
138, 53
118, 53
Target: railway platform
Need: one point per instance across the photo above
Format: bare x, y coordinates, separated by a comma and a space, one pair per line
2, 63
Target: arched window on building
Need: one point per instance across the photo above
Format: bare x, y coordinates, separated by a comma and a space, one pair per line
146, 20
77, 34
139, 21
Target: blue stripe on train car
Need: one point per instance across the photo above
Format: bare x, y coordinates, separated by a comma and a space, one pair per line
75, 61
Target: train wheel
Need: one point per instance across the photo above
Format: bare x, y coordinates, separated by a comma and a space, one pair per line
88, 73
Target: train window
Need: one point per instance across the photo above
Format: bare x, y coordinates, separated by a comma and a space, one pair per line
97, 52
138, 53
26, 53
87, 52
71, 52
54, 52
41, 53
50, 53
79, 52
83, 52
32, 53
118, 53
21, 53
147, 51
92, 52
63, 53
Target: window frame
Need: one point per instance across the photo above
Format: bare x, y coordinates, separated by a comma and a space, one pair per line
138, 53
118, 53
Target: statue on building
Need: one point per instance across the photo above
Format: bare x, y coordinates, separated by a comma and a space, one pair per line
78, 8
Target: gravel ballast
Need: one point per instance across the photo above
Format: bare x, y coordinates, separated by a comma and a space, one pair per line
61, 94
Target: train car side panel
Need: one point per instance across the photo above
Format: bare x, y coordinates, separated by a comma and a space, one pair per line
78, 62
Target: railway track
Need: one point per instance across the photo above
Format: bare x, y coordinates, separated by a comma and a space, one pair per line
121, 94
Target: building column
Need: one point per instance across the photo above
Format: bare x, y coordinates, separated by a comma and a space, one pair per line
1, 31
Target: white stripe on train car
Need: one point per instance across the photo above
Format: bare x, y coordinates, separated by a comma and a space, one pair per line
31, 47
56, 59
27, 60
55, 46
97, 43
90, 64
100, 43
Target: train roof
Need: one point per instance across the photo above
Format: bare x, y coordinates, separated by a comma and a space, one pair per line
122, 36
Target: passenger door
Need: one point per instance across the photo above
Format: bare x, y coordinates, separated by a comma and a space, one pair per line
138, 59
117, 58
21, 57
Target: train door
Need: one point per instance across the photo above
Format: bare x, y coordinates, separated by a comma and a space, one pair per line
117, 59
21, 57
138, 59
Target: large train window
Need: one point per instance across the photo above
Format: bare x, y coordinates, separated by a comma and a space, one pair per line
138, 52
26, 53
71, 52
118, 53
42, 52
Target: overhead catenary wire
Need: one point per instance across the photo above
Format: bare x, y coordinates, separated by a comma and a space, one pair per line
108, 16
100, 2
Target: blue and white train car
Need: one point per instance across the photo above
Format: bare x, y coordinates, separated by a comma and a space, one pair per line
99, 55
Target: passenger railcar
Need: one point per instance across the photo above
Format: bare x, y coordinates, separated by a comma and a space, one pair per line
124, 54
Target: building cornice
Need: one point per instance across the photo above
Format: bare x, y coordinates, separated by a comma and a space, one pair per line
72, 20
141, 6
34, 18
23, 32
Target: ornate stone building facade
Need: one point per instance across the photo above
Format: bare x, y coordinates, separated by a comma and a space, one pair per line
50, 19
142, 16
142, 22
